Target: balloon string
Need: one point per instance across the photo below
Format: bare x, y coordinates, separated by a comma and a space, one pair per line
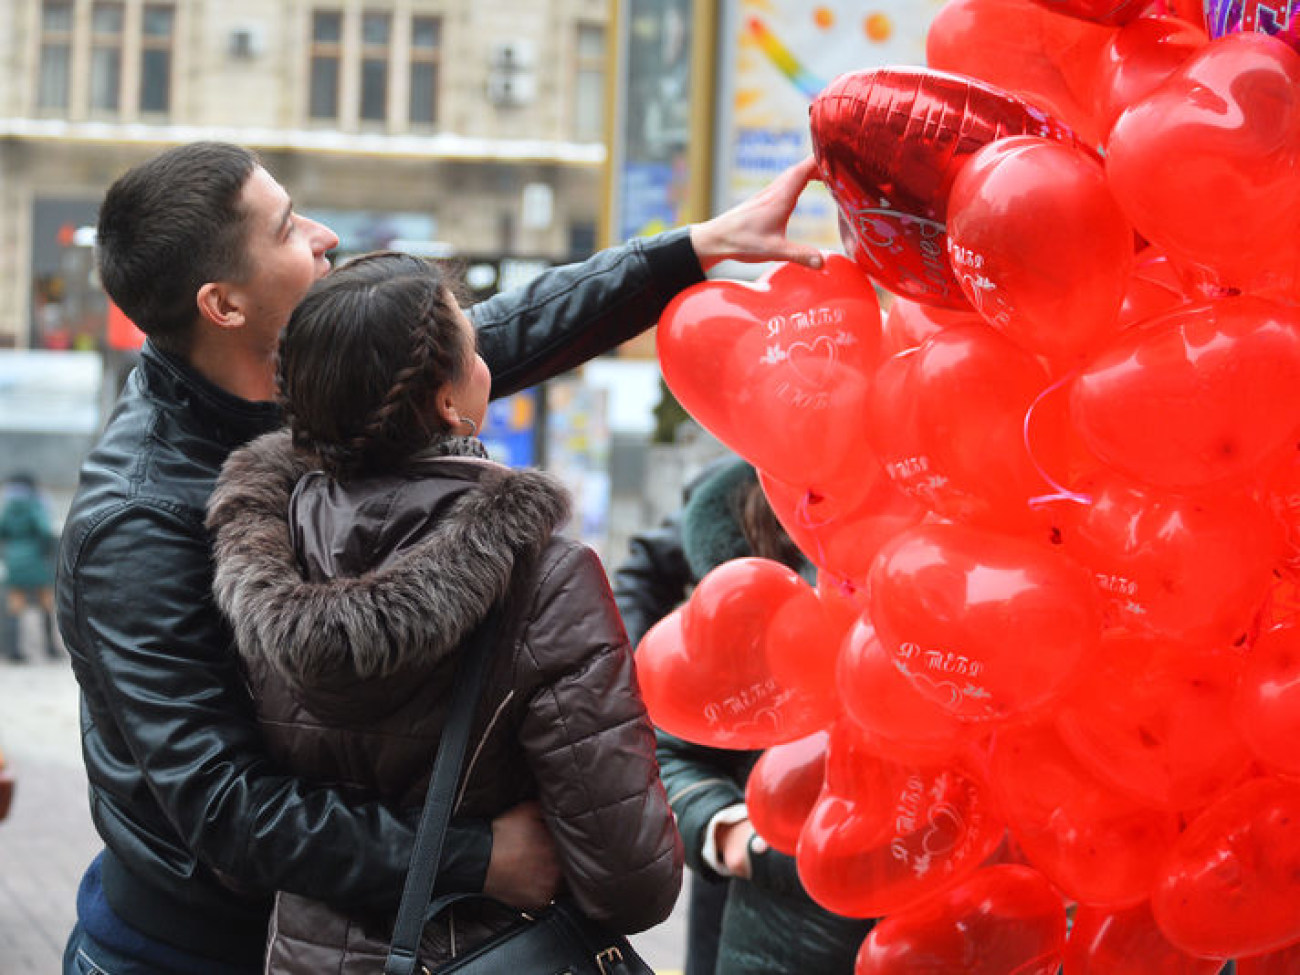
802, 512
1061, 492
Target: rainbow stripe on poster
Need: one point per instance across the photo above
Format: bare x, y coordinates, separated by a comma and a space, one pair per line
784, 60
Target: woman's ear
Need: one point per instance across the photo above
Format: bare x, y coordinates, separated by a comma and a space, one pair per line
444, 408
219, 306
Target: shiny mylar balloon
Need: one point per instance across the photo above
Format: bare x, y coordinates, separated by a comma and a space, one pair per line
1202, 395
1190, 567
1127, 942
1039, 245
709, 670
1003, 918
889, 142
1227, 212
1267, 705
1154, 720
985, 625
884, 835
947, 420
1231, 885
1100, 11
1098, 846
782, 788
1049, 59
778, 370
1280, 19
1138, 59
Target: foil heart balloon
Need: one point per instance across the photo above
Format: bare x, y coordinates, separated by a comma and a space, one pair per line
1004, 918
778, 370
884, 834
709, 670
889, 143
782, 788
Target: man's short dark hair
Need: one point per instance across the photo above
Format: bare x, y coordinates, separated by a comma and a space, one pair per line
167, 227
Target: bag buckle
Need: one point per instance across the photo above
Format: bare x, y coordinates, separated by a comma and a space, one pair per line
611, 956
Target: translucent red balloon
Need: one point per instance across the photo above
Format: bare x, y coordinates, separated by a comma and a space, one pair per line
985, 625
1228, 211
909, 323
1203, 395
1267, 704
1284, 961
748, 662
884, 835
888, 143
1231, 886
1099, 11
783, 787
1004, 918
1138, 59
779, 370
1127, 942
1039, 245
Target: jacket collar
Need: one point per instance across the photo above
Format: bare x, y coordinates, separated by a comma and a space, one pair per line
229, 419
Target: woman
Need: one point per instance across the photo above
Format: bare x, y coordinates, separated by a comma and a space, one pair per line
355, 555
28, 542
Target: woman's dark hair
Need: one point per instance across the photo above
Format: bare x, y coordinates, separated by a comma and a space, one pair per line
361, 357
765, 534
167, 227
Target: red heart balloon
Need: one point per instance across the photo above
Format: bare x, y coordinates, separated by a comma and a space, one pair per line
1203, 395
1284, 961
1190, 567
909, 323
1138, 718
1098, 11
1047, 58
783, 787
1003, 919
889, 143
884, 835
707, 669
1041, 248
1231, 885
1127, 942
779, 370
1267, 704
1138, 59
1228, 211
1099, 847
987, 626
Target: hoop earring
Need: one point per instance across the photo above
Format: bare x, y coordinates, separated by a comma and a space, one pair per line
473, 427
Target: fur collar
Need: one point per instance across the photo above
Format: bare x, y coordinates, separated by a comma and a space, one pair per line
414, 610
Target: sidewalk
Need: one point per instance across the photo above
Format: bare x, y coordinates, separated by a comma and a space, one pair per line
48, 838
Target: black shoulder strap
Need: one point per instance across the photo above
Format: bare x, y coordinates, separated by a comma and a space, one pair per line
403, 953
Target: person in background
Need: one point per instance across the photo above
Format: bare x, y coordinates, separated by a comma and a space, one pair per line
205, 252
27, 541
748, 914
357, 552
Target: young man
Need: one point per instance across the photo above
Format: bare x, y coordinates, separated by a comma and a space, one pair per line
201, 247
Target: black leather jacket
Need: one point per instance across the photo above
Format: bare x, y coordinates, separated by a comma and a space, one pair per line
199, 826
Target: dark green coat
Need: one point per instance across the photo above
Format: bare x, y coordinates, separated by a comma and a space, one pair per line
27, 541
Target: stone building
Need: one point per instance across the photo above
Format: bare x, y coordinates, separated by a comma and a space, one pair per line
471, 128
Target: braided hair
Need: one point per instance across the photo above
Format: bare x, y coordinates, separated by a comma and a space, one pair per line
361, 358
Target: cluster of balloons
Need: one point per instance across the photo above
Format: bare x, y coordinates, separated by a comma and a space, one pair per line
1052, 660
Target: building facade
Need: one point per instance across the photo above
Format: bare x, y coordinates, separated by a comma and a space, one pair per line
465, 128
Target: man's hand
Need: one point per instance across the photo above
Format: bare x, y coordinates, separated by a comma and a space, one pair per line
524, 871
754, 230
734, 847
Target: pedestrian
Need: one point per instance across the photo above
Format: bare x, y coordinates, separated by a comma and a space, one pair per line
357, 552
27, 540
749, 913
204, 251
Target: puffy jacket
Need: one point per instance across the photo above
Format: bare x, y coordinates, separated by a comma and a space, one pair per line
181, 786
27, 541
351, 605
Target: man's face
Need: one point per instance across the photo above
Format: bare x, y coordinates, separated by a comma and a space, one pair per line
284, 253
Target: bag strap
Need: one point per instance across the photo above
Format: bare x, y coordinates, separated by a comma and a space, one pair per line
403, 952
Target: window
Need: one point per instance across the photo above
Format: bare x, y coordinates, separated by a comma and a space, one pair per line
106, 24
375, 30
426, 40
589, 89
56, 55
156, 58
326, 38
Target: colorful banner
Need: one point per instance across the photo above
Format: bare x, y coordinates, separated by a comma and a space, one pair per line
778, 54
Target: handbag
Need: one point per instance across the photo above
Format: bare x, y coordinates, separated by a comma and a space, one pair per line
560, 940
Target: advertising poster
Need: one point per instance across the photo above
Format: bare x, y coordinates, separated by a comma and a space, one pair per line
776, 55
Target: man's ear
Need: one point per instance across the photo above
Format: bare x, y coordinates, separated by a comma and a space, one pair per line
220, 305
